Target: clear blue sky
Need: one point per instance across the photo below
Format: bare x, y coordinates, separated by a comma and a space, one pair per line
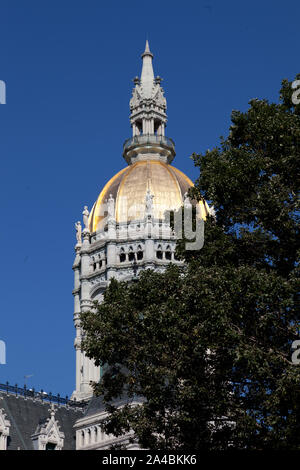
68, 67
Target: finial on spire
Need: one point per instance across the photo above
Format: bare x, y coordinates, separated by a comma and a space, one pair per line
147, 50
147, 75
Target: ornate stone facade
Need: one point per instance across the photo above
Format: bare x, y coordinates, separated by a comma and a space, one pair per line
4, 430
31, 420
127, 230
48, 434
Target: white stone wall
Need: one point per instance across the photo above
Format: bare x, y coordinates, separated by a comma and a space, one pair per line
120, 252
90, 436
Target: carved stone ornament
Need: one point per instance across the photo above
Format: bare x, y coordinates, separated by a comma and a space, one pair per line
85, 215
4, 430
48, 432
111, 207
149, 202
78, 233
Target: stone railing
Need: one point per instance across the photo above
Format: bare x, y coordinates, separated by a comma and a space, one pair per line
149, 139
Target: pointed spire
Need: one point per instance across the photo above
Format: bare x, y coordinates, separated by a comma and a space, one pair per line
147, 76
147, 105
147, 49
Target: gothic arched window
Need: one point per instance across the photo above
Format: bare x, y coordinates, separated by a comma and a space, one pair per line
122, 255
139, 254
168, 253
131, 255
159, 253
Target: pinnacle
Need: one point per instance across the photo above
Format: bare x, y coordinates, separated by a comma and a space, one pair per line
147, 50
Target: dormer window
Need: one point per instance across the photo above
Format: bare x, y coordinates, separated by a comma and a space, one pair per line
47, 435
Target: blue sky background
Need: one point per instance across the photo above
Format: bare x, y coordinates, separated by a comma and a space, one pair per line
68, 67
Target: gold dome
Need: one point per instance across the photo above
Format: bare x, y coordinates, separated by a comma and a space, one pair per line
129, 186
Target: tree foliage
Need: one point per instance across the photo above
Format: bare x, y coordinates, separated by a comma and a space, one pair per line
207, 350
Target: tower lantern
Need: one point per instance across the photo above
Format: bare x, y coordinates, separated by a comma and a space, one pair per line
148, 104
148, 118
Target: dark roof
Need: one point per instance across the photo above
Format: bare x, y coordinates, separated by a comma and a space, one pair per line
97, 404
25, 414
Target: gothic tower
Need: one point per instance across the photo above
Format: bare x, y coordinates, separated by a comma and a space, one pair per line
126, 230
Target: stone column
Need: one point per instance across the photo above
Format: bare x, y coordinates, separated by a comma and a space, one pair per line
149, 242
86, 304
76, 317
111, 248
152, 126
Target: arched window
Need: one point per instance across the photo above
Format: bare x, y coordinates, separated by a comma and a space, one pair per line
50, 446
168, 253
139, 254
131, 255
139, 127
159, 253
122, 255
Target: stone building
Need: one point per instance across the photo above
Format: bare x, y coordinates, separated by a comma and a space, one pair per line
32, 420
127, 230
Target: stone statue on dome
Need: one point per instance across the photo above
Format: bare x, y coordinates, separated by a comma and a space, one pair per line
186, 200
78, 232
212, 212
111, 207
149, 202
85, 215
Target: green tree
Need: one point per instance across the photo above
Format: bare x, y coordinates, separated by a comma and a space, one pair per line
207, 349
